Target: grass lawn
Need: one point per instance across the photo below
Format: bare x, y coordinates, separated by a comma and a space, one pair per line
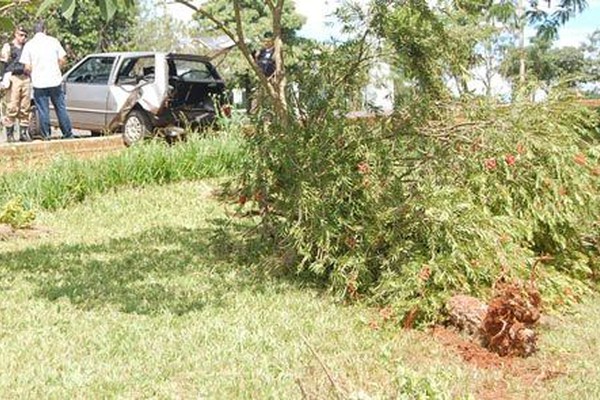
147, 293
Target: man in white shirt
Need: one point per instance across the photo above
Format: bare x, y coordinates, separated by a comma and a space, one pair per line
43, 56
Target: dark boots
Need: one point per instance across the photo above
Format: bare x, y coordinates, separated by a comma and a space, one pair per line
24, 133
10, 134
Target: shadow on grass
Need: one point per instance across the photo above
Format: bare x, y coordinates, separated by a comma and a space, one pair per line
160, 270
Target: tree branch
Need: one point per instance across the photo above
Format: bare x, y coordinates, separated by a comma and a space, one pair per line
275, 88
17, 3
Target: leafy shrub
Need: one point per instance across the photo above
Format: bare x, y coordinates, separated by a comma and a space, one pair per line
404, 212
16, 214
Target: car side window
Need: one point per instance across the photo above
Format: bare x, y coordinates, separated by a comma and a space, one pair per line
93, 71
135, 69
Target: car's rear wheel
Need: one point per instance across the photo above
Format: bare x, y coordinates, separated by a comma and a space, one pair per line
137, 127
34, 124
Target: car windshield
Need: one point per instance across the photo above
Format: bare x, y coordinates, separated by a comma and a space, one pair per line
192, 70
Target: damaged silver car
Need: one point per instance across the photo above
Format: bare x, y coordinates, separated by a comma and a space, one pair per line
142, 94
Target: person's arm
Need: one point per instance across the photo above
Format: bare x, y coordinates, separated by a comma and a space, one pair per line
62, 55
5, 53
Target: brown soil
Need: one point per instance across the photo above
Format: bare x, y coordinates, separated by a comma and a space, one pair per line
17, 156
528, 373
8, 233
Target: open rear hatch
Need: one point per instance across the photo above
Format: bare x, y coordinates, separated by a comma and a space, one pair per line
196, 89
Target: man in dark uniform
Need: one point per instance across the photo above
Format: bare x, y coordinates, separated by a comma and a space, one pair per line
265, 60
265, 57
19, 91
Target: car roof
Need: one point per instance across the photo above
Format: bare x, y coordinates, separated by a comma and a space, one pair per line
149, 53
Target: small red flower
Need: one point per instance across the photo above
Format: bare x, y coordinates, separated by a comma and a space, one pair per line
242, 200
386, 313
374, 325
258, 196
425, 273
351, 242
363, 167
510, 159
490, 163
580, 159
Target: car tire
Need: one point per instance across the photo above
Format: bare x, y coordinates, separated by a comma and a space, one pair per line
34, 124
137, 127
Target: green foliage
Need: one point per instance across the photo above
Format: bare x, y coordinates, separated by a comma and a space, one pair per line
13, 13
157, 30
67, 181
256, 20
407, 212
86, 31
16, 214
432, 42
107, 8
549, 65
547, 23
412, 386
420, 40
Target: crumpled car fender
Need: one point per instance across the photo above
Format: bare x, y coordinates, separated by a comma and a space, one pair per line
151, 96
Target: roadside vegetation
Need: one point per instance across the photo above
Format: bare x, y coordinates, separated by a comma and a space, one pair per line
330, 233
129, 294
67, 181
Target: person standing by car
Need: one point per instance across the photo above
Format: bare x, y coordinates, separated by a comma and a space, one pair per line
43, 56
19, 92
265, 60
265, 57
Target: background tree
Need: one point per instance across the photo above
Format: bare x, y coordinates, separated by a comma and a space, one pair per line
257, 21
157, 30
87, 31
275, 87
549, 66
15, 12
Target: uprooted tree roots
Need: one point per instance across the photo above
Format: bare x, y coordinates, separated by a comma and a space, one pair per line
505, 325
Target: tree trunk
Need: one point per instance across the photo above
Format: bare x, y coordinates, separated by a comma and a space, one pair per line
521, 33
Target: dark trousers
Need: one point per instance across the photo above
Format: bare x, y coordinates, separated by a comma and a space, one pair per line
42, 98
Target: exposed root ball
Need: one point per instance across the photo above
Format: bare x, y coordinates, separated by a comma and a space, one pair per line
505, 325
507, 328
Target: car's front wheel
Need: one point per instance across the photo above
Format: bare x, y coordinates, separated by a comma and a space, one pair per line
137, 127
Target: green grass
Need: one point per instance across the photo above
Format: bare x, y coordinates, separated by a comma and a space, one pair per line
67, 180
152, 293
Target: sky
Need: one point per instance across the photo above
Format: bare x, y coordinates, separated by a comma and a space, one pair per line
317, 13
575, 31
